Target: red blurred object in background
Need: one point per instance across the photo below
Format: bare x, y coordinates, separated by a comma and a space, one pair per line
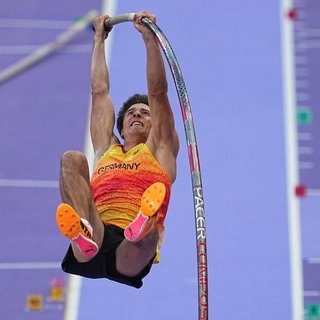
301, 191
293, 14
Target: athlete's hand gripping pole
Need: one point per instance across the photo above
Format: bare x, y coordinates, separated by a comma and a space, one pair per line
119, 19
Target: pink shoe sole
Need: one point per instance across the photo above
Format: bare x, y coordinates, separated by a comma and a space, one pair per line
76, 229
86, 246
151, 201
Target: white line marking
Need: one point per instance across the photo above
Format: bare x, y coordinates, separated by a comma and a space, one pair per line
292, 162
73, 293
306, 150
27, 49
311, 293
305, 136
48, 48
303, 96
74, 283
34, 24
29, 183
314, 193
305, 32
29, 265
306, 165
308, 44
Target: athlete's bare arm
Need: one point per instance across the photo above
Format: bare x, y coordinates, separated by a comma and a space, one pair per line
102, 111
163, 139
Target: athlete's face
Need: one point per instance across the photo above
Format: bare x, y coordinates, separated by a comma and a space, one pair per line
137, 120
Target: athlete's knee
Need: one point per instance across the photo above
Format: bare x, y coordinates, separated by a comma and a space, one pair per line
73, 158
72, 155
133, 265
74, 162
132, 258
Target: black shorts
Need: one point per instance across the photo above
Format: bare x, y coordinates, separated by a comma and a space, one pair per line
103, 264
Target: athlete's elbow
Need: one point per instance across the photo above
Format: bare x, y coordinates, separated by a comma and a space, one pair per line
99, 88
158, 89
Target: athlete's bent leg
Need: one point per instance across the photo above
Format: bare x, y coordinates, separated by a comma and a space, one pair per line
75, 191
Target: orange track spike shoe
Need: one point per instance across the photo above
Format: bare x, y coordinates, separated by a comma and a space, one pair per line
76, 229
151, 201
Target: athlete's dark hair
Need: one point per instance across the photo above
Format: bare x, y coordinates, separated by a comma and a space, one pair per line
136, 98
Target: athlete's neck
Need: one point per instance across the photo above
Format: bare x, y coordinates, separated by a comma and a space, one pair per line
129, 144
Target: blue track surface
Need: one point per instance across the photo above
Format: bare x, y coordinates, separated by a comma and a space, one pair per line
230, 54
